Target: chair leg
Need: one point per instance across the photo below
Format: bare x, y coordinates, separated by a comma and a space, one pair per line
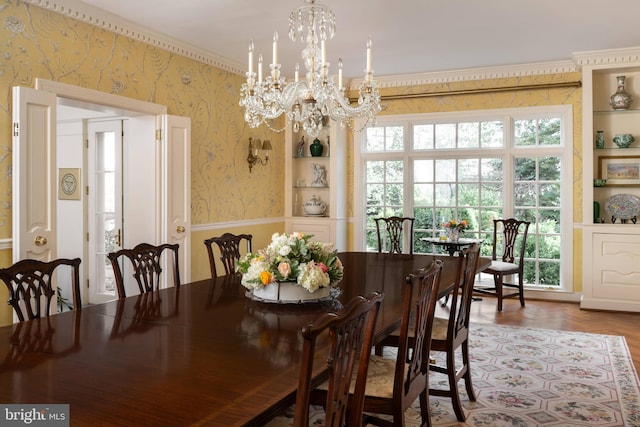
498, 282
424, 409
467, 375
453, 386
521, 289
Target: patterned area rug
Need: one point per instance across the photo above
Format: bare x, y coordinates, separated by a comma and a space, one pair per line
537, 377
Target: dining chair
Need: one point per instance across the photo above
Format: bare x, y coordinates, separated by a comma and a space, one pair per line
229, 247
394, 228
32, 285
350, 337
452, 333
513, 240
146, 261
393, 384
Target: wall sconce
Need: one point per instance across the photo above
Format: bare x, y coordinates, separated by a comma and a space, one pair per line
254, 146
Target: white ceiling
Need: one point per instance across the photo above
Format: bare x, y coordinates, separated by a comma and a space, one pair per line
409, 36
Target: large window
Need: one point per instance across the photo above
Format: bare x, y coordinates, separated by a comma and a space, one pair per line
477, 167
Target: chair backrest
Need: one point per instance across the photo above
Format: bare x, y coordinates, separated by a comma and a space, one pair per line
31, 285
458, 328
511, 229
394, 227
410, 381
229, 246
146, 260
350, 337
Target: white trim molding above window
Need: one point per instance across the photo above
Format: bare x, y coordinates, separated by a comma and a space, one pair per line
475, 166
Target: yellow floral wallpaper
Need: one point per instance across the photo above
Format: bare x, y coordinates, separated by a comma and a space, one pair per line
37, 43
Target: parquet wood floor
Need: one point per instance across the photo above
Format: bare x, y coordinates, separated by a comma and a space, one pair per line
561, 316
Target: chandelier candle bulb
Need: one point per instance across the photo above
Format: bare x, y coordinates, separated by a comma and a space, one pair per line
260, 68
369, 58
297, 74
275, 48
250, 58
340, 74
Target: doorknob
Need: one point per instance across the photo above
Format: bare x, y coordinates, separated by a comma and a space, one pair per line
180, 229
40, 240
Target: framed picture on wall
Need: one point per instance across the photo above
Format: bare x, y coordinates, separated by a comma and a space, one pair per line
620, 170
69, 183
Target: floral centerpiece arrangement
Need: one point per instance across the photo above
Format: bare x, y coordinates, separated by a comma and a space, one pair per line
292, 258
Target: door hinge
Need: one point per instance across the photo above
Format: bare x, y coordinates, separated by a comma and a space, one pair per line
86, 143
86, 190
87, 236
87, 283
16, 129
159, 134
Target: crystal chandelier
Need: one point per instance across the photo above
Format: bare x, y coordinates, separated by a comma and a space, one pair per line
306, 101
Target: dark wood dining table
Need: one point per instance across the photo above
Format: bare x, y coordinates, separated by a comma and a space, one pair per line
202, 354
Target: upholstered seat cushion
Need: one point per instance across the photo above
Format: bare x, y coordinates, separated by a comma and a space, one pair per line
440, 327
501, 266
379, 377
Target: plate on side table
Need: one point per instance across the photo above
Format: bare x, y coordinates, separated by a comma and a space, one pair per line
623, 207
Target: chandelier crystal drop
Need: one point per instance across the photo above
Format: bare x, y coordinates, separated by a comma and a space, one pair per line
306, 101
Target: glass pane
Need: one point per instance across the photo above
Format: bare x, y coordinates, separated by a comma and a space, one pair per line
549, 220
394, 170
105, 152
423, 171
375, 194
549, 273
549, 195
445, 170
375, 171
394, 140
446, 194
549, 168
525, 194
468, 135
550, 132
423, 194
424, 218
423, 137
446, 135
491, 134
394, 195
525, 169
468, 170
526, 132
468, 194
491, 194
375, 139
491, 169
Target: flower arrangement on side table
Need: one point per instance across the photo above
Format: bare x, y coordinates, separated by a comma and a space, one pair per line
454, 228
292, 258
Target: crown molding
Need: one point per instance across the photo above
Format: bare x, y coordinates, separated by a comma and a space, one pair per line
81, 11
594, 58
470, 74
108, 21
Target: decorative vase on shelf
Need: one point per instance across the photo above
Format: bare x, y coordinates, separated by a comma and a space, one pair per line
620, 100
316, 148
301, 148
599, 139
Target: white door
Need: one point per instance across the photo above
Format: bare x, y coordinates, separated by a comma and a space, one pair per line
34, 174
104, 205
176, 174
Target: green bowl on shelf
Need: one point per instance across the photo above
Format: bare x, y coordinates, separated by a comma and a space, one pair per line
599, 182
623, 140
